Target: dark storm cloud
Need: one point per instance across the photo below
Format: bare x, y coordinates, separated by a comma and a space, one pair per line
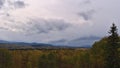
87, 15
19, 4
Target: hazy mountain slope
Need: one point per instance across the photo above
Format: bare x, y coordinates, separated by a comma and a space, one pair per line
80, 42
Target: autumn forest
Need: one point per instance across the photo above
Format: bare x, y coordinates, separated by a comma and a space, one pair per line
103, 54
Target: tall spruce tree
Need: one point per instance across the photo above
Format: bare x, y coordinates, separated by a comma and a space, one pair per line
112, 54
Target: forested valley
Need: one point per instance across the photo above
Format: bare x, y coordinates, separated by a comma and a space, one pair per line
103, 54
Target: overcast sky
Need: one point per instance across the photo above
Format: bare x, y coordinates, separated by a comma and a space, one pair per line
50, 20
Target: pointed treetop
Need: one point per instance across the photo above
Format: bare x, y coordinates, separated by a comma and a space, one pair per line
113, 25
113, 29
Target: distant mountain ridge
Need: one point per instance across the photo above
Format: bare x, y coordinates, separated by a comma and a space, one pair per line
80, 42
3, 41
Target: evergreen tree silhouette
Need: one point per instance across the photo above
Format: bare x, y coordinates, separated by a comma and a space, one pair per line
112, 54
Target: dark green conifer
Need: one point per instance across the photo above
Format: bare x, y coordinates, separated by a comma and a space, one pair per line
112, 54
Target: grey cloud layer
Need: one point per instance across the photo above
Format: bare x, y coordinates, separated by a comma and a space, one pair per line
34, 26
1, 3
46, 26
87, 1
87, 15
13, 4
84, 18
19, 4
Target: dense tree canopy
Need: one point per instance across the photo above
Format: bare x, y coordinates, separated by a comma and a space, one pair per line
5, 58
